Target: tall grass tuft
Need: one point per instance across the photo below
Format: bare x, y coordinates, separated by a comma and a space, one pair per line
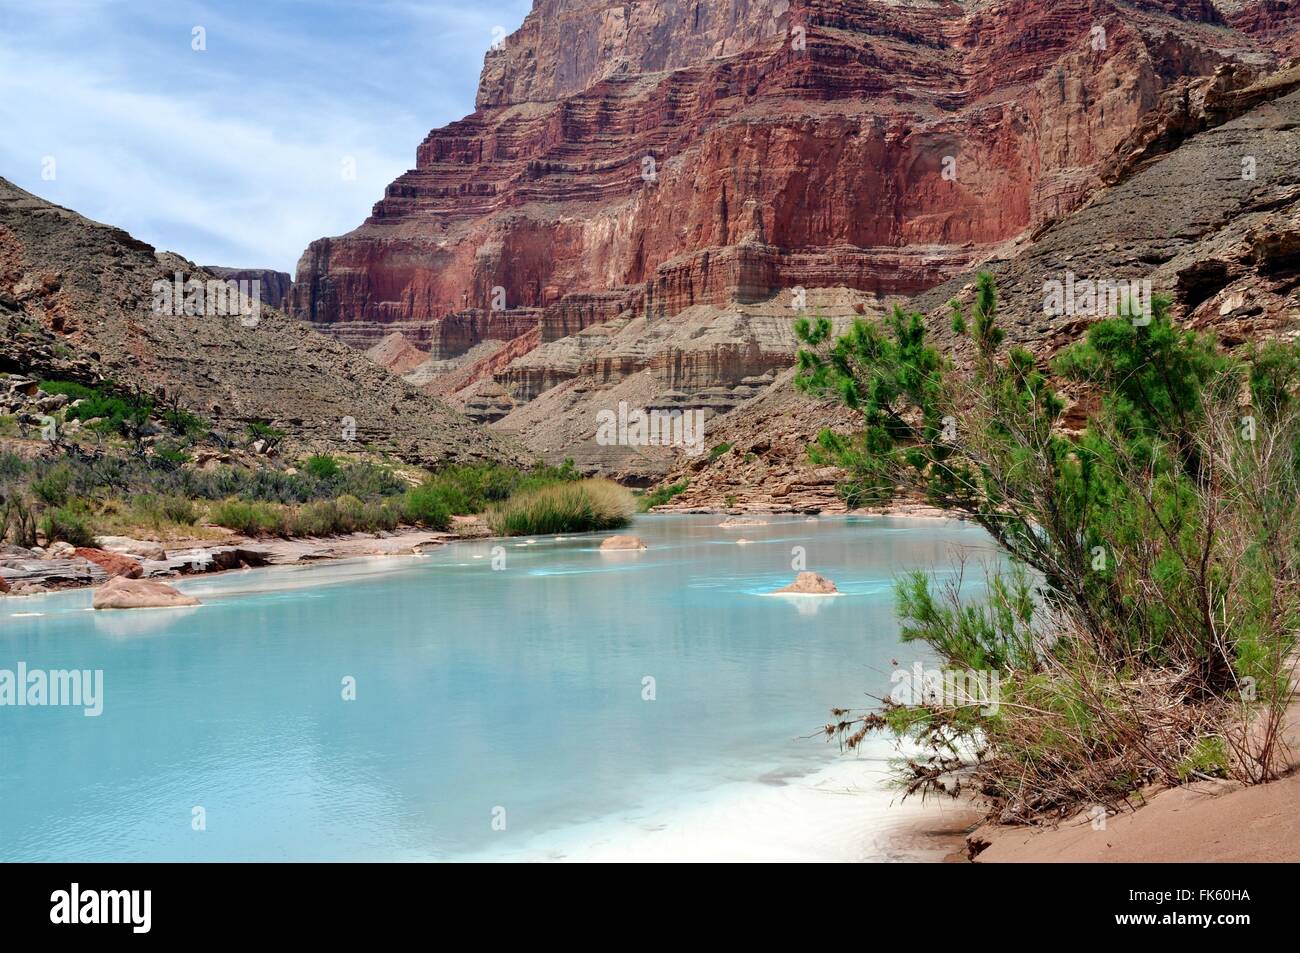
571, 507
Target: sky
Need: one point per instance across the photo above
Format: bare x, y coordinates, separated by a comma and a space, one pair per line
239, 153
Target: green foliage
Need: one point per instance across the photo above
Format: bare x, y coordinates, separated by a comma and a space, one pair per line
117, 412
1209, 758
1155, 555
719, 450
258, 430
322, 466
347, 514
426, 505
52, 488
165, 510
663, 494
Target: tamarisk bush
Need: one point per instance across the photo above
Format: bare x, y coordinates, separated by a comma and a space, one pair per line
1144, 632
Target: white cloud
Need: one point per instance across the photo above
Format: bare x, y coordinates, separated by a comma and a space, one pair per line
232, 156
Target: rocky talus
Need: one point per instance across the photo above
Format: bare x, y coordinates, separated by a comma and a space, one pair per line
77, 301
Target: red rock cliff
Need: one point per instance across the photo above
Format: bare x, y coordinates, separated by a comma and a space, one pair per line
645, 156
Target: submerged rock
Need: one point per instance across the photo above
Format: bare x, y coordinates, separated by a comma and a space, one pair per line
122, 593
622, 543
811, 584
737, 521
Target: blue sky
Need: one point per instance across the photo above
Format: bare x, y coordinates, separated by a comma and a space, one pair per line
234, 155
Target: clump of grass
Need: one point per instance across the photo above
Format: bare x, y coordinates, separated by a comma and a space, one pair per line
250, 519
661, 495
570, 507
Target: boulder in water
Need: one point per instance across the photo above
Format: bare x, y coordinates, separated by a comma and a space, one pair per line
736, 522
810, 584
622, 544
122, 593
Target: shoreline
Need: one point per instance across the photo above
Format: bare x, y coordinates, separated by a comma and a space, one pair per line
405, 541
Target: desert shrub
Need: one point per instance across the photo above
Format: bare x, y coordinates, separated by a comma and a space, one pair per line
160, 512
69, 524
1145, 630
17, 518
52, 488
170, 453
566, 507
117, 411
250, 519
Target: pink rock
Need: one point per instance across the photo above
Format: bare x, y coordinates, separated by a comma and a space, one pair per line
810, 584
122, 593
115, 564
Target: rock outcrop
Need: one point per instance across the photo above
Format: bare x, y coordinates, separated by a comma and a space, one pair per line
139, 548
115, 564
1214, 221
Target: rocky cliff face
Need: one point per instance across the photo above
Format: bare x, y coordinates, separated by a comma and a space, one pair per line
1223, 244
274, 285
635, 163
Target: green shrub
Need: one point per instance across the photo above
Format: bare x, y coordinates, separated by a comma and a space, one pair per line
159, 512
568, 507
69, 525
424, 505
172, 454
1142, 624
322, 466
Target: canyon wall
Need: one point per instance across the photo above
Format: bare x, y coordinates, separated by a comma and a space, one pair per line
643, 160
692, 153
